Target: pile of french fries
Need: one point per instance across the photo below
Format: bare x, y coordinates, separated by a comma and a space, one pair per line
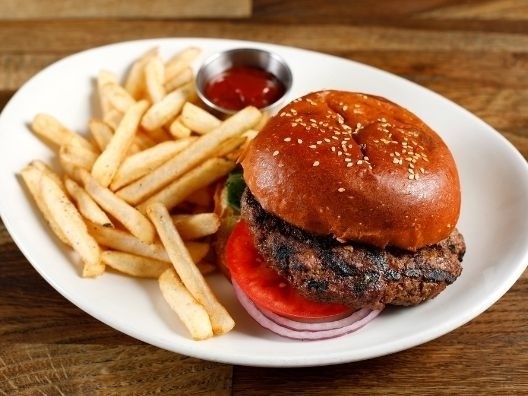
137, 194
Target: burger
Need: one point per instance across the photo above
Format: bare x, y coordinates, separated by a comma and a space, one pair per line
350, 204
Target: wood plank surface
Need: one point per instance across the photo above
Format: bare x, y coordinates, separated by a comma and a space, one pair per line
57, 9
474, 53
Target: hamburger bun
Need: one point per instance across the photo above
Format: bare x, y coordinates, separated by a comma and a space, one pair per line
357, 167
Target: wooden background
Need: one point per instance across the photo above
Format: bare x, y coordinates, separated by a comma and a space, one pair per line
473, 52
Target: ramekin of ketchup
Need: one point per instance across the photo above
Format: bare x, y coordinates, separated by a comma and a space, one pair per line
231, 80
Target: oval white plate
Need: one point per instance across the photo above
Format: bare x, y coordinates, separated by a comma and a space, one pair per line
494, 216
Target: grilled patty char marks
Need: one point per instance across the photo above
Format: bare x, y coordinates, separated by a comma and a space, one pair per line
324, 270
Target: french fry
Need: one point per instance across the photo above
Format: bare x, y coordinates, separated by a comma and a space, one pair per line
180, 61
143, 141
113, 117
127, 215
47, 170
118, 97
101, 132
77, 156
199, 177
197, 250
197, 152
198, 120
163, 111
157, 135
134, 265
229, 145
51, 130
66, 216
191, 313
196, 226
182, 78
190, 275
250, 134
125, 242
86, 205
31, 176
135, 80
263, 121
106, 165
105, 77
178, 130
139, 164
155, 79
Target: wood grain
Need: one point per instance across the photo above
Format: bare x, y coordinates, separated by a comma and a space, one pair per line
36, 9
474, 53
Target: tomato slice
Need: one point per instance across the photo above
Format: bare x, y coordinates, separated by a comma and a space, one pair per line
266, 287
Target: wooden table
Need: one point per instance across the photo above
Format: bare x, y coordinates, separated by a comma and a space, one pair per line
475, 53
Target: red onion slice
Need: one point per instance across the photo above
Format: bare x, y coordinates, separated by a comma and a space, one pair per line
304, 326
281, 330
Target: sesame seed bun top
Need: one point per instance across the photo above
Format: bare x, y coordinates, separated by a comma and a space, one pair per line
358, 167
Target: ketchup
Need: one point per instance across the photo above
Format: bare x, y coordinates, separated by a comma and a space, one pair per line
243, 86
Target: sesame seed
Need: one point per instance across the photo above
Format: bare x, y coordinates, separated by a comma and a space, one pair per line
345, 108
366, 158
293, 124
333, 149
349, 164
348, 159
411, 177
341, 189
395, 161
422, 170
327, 140
319, 142
312, 146
359, 162
288, 139
316, 163
416, 176
299, 141
275, 153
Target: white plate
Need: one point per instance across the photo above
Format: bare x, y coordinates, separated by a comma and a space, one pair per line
494, 216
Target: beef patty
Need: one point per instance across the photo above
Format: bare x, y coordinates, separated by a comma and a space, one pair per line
325, 270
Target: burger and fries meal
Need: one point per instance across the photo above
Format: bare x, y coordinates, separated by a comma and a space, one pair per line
320, 216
